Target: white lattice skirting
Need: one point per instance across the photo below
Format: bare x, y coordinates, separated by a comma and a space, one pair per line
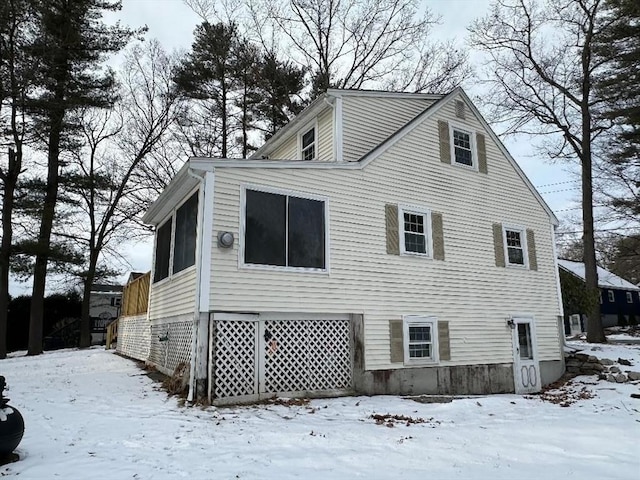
265, 357
170, 345
134, 337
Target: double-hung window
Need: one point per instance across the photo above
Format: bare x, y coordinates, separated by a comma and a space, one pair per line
629, 297
420, 339
462, 146
308, 144
611, 296
515, 243
284, 230
415, 231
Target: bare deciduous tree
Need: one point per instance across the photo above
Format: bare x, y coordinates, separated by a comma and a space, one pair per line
540, 80
116, 143
364, 43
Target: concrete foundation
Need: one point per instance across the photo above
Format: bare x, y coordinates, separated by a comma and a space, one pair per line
551, 370
456, 380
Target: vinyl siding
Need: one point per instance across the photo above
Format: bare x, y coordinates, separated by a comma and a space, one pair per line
466, 289
173, 296
368, 121
287, 151
324, 144
325, 136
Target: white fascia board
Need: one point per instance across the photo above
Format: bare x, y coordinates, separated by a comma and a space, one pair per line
179, 186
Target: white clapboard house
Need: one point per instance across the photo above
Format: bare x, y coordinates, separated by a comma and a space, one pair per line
380, 243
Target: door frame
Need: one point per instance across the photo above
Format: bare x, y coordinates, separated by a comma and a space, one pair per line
518, 364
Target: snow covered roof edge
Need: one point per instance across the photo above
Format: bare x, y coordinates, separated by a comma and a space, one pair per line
606, 279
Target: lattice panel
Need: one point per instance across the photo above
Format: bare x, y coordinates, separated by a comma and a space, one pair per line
306, 355
234, 359
285, 357
171, 345
329, 359
134, 337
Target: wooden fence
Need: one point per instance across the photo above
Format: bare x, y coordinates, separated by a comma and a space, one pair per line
135, 296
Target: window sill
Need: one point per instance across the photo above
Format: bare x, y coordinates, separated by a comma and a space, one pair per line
517, 266
415, 254
277, 268
471, 168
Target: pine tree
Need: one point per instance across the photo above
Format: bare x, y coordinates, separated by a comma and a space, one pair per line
618, 47
206, 74
71, 43
280, 87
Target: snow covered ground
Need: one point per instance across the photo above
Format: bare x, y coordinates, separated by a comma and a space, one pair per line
94, 415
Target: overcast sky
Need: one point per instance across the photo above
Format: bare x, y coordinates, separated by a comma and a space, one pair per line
172, 23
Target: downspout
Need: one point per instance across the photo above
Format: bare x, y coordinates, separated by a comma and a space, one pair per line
196, 315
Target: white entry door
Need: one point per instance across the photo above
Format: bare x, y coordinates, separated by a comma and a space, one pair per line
526, 369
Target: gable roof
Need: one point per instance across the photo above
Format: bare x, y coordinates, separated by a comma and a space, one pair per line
606, 279
323, 102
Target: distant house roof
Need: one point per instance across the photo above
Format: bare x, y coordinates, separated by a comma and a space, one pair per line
106, 288
606, 279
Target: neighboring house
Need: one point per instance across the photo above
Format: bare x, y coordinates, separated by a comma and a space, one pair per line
618, 298
104, 307
380, 243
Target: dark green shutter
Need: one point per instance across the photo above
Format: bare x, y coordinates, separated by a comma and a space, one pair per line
396, 340
445, 144
391, 220
438, 236
482, 153
444, 348
531, 247
498, 244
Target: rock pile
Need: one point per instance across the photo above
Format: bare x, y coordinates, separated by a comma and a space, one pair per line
606, 369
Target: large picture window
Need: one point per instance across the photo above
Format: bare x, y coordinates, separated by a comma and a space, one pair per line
284, 230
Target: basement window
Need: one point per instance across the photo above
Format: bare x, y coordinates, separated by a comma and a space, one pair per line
420, 339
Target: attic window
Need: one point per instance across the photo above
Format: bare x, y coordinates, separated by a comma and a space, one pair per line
308, 144
462, 147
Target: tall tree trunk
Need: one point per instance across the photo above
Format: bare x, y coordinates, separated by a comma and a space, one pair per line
595, 332
10, 181
36, 318
85, 322
223, 117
